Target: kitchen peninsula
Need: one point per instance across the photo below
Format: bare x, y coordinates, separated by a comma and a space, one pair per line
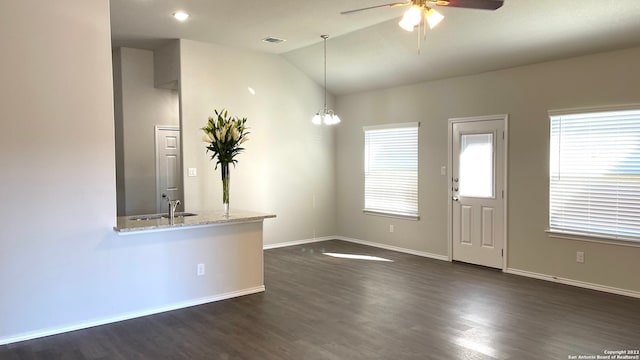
199, 258
127, 225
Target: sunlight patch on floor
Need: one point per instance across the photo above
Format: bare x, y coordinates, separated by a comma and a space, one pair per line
357, 257
471, 344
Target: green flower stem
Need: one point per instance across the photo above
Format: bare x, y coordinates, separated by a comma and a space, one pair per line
225, 182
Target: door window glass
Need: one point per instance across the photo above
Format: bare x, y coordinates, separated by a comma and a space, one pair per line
476, 166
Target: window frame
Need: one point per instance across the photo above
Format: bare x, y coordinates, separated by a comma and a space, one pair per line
391, 213
602, 238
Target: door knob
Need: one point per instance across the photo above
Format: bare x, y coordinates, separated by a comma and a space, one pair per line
455, 198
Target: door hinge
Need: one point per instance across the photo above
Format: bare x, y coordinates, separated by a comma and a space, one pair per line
503, 135
502, 252
503, 194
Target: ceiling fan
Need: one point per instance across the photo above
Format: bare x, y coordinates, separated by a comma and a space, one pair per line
422, 11
469, 4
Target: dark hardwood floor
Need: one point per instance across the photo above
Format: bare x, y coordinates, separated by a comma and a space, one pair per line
321, 307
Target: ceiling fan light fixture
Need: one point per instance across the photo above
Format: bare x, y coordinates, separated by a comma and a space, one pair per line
433, 17
420, 14
413, 15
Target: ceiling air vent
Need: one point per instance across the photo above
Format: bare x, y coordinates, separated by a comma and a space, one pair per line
273, 40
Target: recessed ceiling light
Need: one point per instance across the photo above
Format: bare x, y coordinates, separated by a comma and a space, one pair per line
273, 40
180, 15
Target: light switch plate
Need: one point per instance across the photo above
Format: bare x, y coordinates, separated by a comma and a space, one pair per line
443, 171
193, 172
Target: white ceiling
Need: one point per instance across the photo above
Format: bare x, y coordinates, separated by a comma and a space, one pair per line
368, 50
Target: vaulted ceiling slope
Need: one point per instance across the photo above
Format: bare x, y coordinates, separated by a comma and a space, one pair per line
368, 50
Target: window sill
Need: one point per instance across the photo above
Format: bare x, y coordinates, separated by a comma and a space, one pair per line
392, 215
602, 239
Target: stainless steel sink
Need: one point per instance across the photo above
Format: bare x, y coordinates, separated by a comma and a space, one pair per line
146, 217
160, 216
179, 215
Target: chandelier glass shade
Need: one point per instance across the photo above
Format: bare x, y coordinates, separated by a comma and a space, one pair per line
325, 116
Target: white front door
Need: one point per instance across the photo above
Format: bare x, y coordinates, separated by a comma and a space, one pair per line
477, 189
168, 167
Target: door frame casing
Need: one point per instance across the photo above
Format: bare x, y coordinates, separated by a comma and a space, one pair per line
452, 121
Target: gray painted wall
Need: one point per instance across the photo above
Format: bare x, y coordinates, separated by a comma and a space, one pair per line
288, 161
61, 264
143, 107
166, 65
118, 117
525, 93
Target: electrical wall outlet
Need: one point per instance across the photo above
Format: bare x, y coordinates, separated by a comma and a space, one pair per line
200, 270
391, 228
580, 256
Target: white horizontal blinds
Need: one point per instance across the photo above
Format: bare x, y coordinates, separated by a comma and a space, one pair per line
391, 170
595, 174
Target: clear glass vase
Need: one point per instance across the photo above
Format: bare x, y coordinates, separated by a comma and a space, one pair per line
225, 187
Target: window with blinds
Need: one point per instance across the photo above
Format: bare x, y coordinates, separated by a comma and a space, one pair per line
594, 185
391, 170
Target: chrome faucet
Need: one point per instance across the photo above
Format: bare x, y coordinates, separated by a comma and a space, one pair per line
173, 204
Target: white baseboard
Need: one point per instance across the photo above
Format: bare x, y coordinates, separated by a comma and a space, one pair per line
525, 273
297, 242
393, 248
556, 279
130, 315
582, 284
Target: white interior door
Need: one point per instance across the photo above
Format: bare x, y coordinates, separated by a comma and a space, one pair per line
168, 167
477, 201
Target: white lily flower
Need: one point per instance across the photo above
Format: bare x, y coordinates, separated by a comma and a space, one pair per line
225, 134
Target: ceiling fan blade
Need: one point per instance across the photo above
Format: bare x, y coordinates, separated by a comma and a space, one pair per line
473, 4
376, 6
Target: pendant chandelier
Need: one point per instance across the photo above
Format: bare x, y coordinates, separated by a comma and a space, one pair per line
325, 116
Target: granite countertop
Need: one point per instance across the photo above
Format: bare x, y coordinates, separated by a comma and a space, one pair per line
126, 225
